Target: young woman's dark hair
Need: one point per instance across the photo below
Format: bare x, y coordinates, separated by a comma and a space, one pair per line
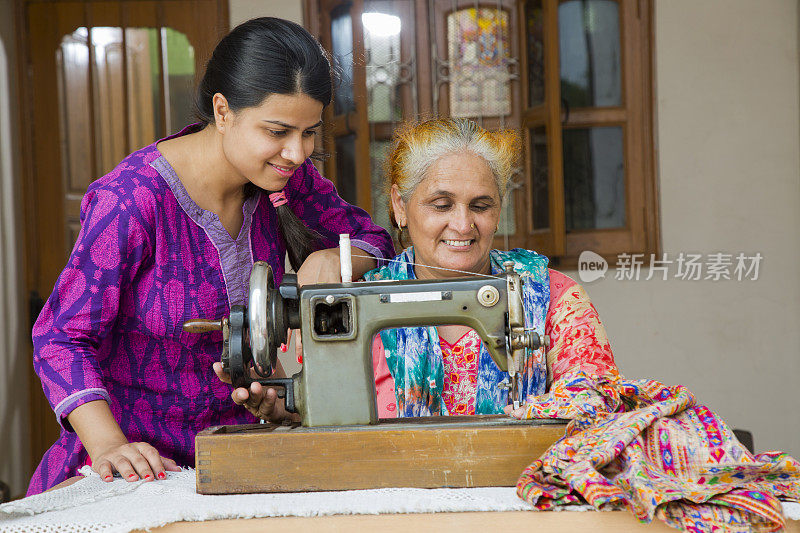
258, 58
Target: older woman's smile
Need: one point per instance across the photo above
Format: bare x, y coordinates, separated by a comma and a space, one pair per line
458, 244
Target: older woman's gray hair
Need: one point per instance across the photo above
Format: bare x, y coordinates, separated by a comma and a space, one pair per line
418, 146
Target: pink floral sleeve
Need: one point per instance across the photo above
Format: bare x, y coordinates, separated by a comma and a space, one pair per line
578, 340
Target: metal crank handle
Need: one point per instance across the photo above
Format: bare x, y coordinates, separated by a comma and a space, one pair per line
285, 389
200, 325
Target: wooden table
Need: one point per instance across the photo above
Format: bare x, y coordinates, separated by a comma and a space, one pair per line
479, 522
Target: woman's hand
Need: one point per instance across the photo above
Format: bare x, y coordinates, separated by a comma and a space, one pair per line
321, 266
110, 450
133, 461
519, 413
261, 401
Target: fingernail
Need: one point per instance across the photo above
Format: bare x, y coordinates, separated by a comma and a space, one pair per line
108, 478
284, 347
162, 475
299, 359
148, 476
132, 476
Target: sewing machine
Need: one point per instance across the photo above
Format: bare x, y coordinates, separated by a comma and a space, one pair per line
334, 392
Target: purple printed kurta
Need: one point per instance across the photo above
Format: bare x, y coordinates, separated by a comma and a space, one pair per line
148, 259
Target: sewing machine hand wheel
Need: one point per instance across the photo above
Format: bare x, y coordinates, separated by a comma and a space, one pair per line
251, 335
237, 356
266, 319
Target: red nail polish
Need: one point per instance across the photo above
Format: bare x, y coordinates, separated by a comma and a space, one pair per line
284, 347
299, 359
162, 475
148, 476
132, 476
108, 478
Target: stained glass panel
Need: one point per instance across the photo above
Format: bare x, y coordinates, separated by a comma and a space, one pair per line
382, 47
479, 48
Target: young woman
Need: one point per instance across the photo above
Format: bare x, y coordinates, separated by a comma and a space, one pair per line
171, 234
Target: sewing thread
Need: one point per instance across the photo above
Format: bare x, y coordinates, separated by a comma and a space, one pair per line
433, 267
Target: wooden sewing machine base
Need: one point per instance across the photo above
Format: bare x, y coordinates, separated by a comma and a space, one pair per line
431, 452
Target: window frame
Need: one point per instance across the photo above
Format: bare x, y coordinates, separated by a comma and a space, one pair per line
641, 233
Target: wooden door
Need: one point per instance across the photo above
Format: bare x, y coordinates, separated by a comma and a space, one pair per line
101, 79
346, 117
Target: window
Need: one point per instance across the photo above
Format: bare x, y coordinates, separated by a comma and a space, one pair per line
573, 77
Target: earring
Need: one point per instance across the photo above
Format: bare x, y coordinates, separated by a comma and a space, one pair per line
472, 225
400, 235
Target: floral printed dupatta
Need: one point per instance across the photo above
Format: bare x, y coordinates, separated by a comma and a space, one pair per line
414, 356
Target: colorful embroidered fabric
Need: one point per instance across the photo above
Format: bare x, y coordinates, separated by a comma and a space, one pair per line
652, 448
414, 355
578, 341
461, 373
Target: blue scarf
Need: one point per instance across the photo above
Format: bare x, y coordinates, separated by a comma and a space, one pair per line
414, 356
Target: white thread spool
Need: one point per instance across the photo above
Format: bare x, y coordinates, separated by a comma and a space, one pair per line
345, 259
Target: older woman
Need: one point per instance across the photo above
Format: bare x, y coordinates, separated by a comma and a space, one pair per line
446, 179
636, 443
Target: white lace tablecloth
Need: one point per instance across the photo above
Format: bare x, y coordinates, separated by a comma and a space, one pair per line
92, 505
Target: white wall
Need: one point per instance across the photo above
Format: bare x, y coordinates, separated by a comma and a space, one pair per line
242, 10
728, 139
14, 358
